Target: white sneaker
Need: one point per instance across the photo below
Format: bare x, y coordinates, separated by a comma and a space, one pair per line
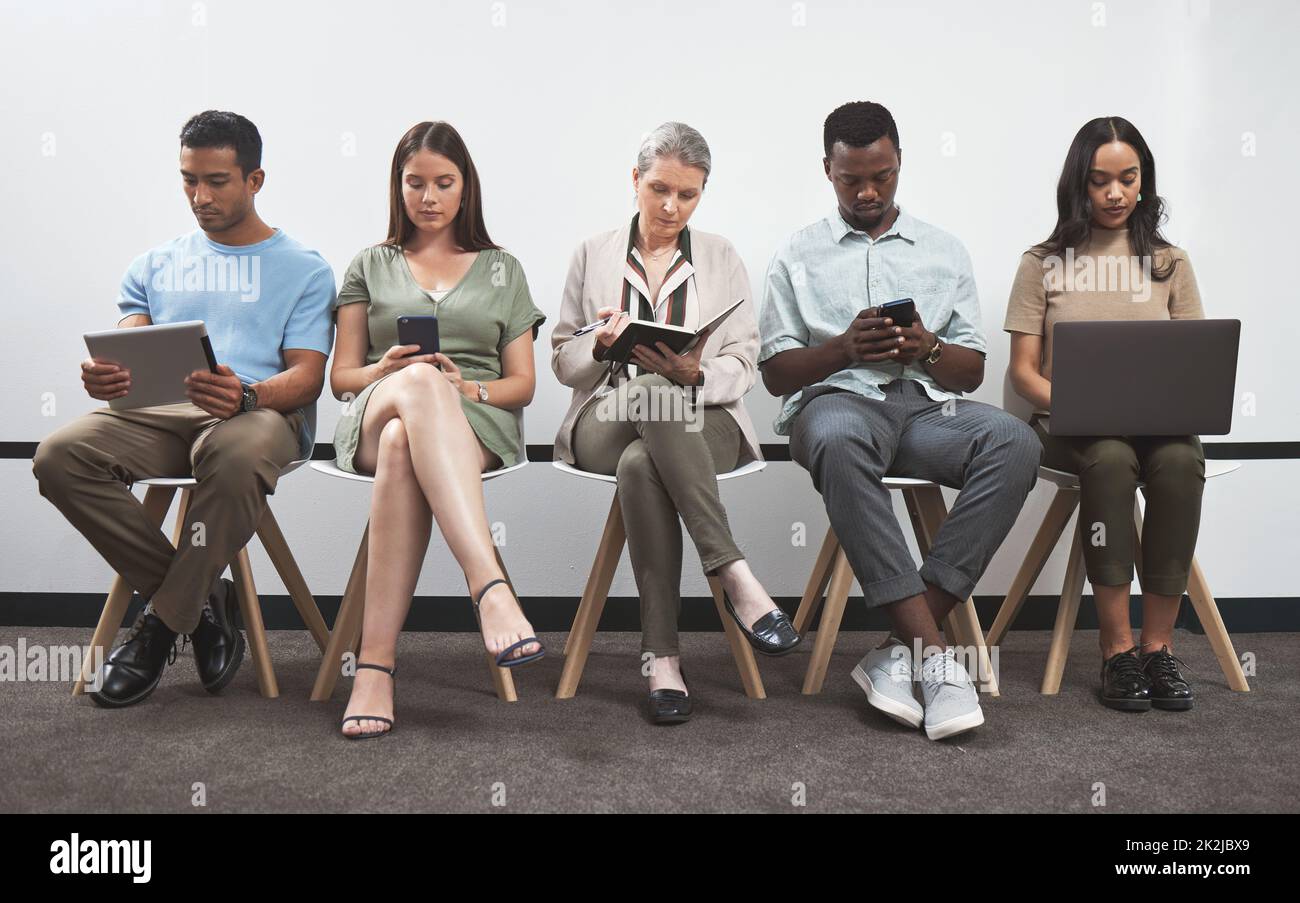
885, 675
952, 704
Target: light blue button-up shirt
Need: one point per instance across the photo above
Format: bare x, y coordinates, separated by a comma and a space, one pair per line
826, 273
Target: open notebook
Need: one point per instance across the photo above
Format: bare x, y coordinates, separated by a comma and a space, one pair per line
643, 332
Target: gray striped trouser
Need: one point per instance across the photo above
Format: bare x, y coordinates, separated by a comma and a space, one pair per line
849, 442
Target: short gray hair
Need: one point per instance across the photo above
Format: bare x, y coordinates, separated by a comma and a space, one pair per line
678, 141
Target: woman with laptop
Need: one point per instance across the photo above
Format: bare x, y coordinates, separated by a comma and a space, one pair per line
1107, 260
428, 418
664, 423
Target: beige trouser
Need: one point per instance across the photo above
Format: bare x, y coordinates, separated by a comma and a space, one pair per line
86, 469
666, 467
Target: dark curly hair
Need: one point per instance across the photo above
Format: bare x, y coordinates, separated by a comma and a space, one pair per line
217, 128
1074, 207
858, 124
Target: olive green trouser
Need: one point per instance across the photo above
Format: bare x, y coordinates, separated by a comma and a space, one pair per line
666, 457
1109, 469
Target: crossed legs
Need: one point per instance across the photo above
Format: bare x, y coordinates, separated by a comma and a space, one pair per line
427, 464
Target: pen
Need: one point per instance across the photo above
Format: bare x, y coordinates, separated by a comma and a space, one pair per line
583, 330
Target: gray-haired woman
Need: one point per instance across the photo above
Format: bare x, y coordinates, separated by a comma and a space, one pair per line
667, 424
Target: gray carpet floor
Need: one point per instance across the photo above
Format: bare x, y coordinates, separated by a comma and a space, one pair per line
456, 748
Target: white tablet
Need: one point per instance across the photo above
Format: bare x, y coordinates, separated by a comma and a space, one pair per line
159, 358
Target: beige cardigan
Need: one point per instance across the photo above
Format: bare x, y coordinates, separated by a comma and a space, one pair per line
730, 356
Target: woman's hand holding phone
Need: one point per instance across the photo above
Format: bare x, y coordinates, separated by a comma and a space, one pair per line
400, 357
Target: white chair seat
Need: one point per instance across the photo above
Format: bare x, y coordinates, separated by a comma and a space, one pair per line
330, 469
190, 482
1068, 480
744, 469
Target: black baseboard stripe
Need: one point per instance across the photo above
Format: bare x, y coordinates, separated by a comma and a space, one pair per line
555, 613
780, 451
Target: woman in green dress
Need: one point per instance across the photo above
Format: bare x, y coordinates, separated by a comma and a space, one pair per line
428, 425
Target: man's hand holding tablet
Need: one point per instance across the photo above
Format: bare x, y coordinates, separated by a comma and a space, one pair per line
104, 381
220, 393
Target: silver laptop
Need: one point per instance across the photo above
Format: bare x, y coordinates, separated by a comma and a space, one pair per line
159, 358
1143, 377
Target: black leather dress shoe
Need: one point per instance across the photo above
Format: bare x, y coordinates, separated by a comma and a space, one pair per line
1124, 685
669, 706
134, 668
218, 644
1168, 688
772, 634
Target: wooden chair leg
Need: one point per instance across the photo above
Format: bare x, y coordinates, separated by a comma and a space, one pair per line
1207, 610
837, 595
157, 499
817, 580
268, 531
1066, 615
251, 608
1137, 534
1049, 533
962, 624
741, 651
503, 682
594, 595
347, 625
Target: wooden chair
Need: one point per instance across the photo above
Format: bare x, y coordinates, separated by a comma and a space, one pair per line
608, 552
347, 626
1058, 515
157, 499
832, 577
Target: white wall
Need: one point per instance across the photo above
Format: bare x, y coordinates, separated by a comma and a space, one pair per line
552, 99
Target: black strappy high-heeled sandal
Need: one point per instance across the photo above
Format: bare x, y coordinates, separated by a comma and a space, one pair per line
503, 659
391, 672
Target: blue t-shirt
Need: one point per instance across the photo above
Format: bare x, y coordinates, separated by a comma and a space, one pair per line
256, 300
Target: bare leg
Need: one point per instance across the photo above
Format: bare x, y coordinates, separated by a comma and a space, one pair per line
912, 620
1158, 616
667, 674
1112, 618
747, 595
940, 601
400, 524
448, 461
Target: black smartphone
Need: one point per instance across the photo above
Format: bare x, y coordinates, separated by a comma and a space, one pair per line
902, 311
422, 331
207, 352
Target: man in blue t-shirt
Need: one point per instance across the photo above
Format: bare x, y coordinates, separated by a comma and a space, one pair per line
265, 300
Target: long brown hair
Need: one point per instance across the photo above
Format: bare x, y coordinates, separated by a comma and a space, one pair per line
440, 138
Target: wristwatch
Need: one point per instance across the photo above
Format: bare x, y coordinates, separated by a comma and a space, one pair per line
936, 352
482, 392
249, 401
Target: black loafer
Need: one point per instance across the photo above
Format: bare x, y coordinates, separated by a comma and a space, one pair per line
772, 634
1168, 688
134, 668
669, 707
218, 644
1124, 684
